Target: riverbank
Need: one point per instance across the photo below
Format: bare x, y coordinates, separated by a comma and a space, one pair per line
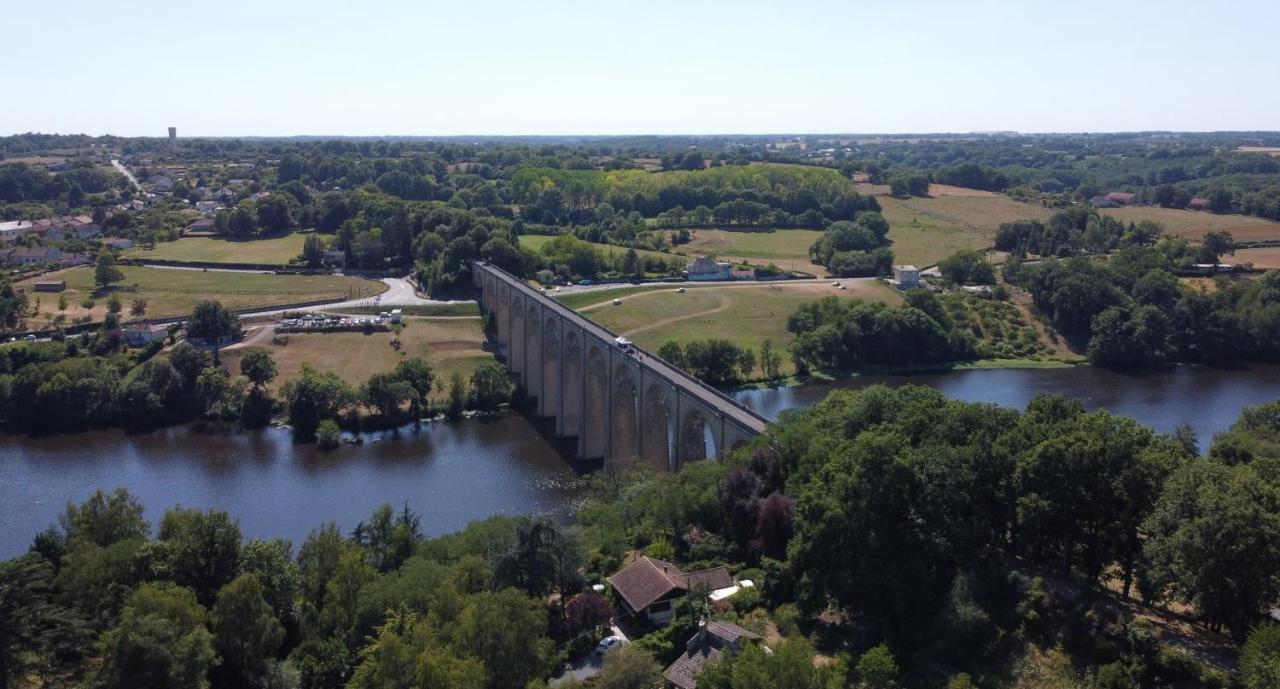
823, 377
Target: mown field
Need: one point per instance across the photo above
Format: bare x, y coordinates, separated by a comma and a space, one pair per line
926, 230
449, 344
274, 251
745, 315
176, 292
1194, 224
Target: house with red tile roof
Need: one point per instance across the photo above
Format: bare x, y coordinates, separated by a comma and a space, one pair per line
649, 587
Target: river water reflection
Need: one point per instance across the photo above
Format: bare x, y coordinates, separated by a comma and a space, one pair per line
455, 473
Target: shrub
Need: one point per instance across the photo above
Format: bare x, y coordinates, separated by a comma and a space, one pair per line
328, 435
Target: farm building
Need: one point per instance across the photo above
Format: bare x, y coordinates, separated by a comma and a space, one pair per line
142, 334
906, 277
704, 269
1122, 198
51, 286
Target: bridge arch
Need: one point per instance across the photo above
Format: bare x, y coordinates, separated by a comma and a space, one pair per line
533, 355
516, 349
572, 403
595, 419
624, 419
655, 436
697, 437
549, 400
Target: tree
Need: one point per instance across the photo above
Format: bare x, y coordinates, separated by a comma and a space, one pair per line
258, 367
280, 577
418, 374
1260, 661
387, 394
313, 251
196, 549
160, 643
1220, 201
967, 267
138, 307
313, 397
878, 669
770, 361
506, 631
491, 386
629, 667
1124, 338
274, 212
328, 434
1216, 244
35, 628
211, 321
246, 633
671, 352
114, 304
747, 362
586, 612
105, 519
105, 270
457, 397
543, 560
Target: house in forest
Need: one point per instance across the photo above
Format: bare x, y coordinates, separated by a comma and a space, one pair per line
713, 640
648, 588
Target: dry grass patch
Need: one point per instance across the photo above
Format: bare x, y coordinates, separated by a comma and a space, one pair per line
448, 344
926, 230
1194, 224
1263, 257
171, 293
273, 251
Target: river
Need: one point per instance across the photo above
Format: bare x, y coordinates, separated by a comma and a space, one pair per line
455, 473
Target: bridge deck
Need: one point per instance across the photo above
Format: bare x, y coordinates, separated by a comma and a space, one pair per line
735, 411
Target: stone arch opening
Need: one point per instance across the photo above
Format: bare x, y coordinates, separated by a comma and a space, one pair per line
696, 438
549, 401
572, 405
595, 430
533, 355
624, 418
655, 440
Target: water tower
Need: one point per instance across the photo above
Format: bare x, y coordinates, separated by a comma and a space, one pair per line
173, 135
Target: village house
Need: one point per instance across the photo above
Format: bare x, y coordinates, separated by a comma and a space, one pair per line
143, 334
713, 640
206, 207
1102, 202
704, 269
906, 277
33, 256
1198, 203
649, 587
15, 229
202, 226
1122, 198
118, 243
335, 257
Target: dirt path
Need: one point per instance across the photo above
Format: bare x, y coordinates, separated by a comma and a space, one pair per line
253, 339
725, 303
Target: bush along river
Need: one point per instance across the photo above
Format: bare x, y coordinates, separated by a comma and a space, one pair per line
453, 473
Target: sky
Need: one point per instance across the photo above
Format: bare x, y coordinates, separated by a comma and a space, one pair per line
421, 67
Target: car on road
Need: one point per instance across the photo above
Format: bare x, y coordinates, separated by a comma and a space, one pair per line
836, 283
680, 290
608, 644
584, 282
30, 338
617, 302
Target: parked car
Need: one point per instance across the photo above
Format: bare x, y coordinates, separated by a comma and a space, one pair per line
608, 644
680, 290
617, 302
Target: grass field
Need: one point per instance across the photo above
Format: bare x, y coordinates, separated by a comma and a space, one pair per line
450, 345
1263, 257
274, 251
745, 315
1193, 224
176, 292
926, 230
537, 241
786, 248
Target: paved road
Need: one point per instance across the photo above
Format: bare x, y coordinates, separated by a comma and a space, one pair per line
125, 171
574, 289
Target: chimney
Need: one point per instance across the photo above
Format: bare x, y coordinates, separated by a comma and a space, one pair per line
698, 638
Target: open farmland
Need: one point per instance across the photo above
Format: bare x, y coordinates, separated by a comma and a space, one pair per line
786, 248
450, 345
274, 251
1263, 257
1194, 224
176, 292
746, 315
926, 230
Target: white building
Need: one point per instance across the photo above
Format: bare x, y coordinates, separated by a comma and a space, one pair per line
704, 269
906, 277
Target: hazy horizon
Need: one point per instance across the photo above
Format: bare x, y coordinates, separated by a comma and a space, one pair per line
397, 68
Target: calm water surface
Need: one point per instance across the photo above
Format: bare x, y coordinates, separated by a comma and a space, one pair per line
455, 473
450, 473
1209, 399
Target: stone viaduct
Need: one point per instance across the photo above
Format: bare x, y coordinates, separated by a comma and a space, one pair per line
619, 403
